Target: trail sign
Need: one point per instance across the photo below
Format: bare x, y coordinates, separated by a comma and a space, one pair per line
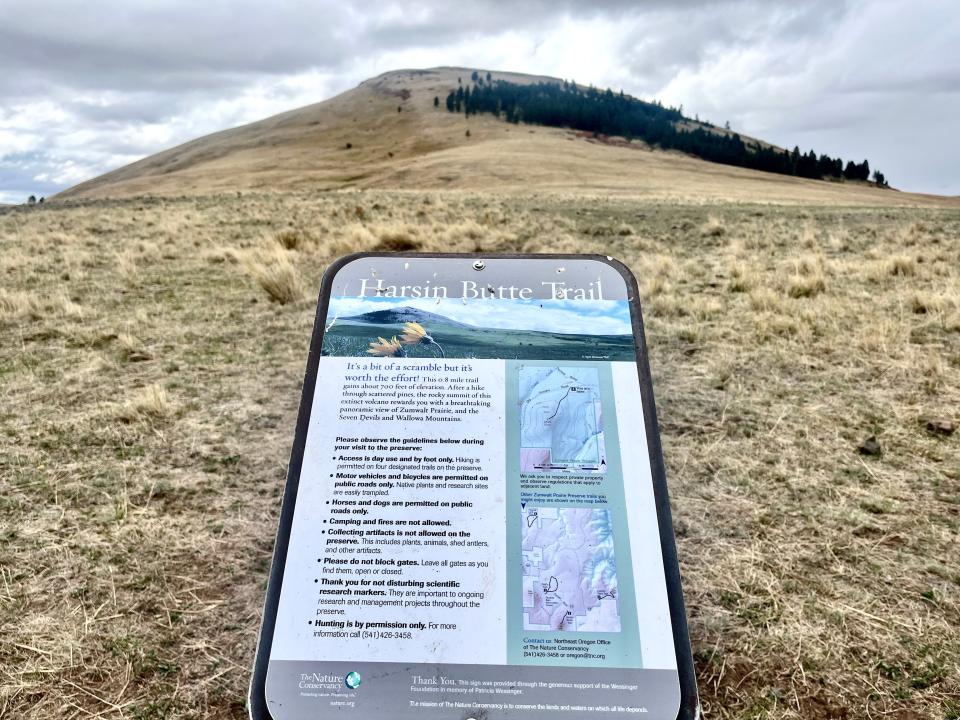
475, 522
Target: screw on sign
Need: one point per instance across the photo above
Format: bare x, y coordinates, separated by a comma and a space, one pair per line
487, 470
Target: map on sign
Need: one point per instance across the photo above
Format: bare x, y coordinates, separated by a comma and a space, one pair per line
569, 570
561, 427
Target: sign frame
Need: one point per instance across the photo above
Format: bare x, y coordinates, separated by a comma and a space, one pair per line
689, 700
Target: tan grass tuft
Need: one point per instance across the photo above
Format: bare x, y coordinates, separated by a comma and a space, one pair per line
352, 238
765, 300
148, 251
654, 285
469, 229
17, 305
808, 237
806, 286
20, 305
742, 278
934, 371
703, 308
401, 238
148, 403
770, 326
131, 348
293, 239
923, 303
221, 254
658, 265
667, 304
274, 272
126, 266
902, 265
943, 307
809, 265
809, 279
397, 244
714, 227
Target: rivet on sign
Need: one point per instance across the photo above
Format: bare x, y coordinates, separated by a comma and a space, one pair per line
479, 265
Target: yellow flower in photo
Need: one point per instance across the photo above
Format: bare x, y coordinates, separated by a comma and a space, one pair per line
386, 348
413, 334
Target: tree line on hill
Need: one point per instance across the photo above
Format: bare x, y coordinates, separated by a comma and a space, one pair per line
604, 112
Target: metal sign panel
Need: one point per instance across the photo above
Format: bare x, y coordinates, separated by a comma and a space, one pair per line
475, 522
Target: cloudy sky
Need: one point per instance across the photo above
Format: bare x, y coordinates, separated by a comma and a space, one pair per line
88, 86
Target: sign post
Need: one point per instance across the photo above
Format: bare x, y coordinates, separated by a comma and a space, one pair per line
475, 522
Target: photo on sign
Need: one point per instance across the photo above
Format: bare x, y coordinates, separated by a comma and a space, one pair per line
478, 328
569, 570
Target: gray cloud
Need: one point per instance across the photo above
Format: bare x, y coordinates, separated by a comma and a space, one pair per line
87, 87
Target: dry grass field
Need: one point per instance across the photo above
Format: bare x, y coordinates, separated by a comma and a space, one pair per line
151, 355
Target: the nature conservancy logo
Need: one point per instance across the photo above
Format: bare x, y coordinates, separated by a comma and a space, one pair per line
352, 680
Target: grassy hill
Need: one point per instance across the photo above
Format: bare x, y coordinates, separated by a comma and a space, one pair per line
387, 134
